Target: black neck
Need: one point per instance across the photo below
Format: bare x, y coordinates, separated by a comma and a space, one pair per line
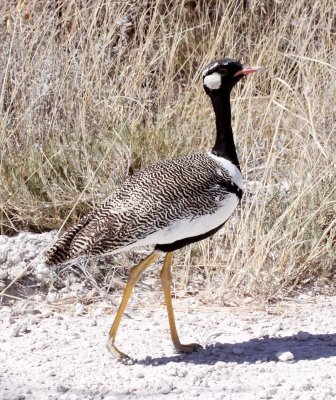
224, 145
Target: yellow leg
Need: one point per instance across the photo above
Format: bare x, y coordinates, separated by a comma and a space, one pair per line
133, 278
166, 280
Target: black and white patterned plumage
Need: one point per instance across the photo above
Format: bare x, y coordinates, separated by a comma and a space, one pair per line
167, 202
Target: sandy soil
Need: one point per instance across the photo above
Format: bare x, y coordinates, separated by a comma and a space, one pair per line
285, 351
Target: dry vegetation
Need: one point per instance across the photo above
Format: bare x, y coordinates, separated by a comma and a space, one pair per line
93, 90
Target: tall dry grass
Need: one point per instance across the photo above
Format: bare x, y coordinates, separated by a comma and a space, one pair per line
93, 90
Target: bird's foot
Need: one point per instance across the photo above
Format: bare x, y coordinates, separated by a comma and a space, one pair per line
188, 348
116, 353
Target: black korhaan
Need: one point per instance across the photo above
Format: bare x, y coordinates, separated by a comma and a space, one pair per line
167, 205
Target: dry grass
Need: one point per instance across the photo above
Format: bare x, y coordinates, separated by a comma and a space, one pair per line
91, 90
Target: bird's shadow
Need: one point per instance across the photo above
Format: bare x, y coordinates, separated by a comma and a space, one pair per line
253, 351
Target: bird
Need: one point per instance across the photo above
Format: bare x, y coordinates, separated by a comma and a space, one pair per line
167, 205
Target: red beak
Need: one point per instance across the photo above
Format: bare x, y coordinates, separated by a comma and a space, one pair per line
249, 70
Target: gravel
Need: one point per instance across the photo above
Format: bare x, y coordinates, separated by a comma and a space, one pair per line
58, 354
53, 346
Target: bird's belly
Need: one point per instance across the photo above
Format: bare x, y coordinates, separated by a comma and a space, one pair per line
194, 226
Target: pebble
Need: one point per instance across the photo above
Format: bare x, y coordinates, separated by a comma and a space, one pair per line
220, 365
62, 389
245, 327
43, 273
4, 273
148, 314
259, 333
47, 313
302, 336
238, 351
285, 356
166, 388
19, 270
268, 394
15, 331
3, 259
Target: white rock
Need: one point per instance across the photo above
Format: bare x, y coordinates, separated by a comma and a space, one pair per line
23, 327
3, 240
46, 313
274, 329
166, 388
259, 333
51, 297
42, 272
285, 356
15, 331
245, 327
3, 256
18, 270
220, 365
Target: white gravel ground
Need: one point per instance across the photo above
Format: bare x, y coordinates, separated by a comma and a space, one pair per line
52, 345
286, 351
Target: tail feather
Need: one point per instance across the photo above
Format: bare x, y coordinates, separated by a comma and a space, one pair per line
60, 251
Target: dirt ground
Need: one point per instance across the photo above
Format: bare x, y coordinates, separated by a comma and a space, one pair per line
284, 351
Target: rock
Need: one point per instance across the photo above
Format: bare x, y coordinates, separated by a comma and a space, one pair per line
303, 336
18, 270
10, 320
238, 351
62, 389
166, 388
259, 333
15, 331
274, 329
47, 313
42, 272
285, 356
268, 394
23, 327
3, 257
220, 365
245, 327
3, 240
3, 274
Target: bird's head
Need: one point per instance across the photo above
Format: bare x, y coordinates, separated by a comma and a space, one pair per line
221, 75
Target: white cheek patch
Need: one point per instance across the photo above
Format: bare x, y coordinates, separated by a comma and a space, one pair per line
213, 81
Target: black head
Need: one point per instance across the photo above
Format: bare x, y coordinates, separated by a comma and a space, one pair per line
221, 75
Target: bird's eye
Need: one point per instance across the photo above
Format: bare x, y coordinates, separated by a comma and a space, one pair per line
223, 71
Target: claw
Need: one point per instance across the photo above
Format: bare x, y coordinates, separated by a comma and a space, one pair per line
116, 353
188, 348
